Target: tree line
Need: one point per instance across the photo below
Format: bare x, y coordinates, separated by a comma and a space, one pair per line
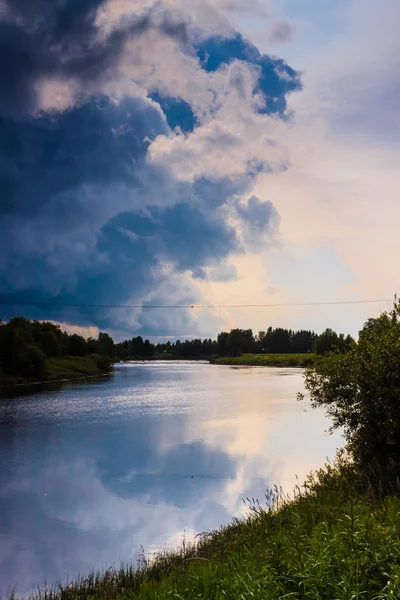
281, 341
25, 345
142, 349
236, 343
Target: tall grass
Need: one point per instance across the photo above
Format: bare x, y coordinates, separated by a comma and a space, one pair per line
332, 540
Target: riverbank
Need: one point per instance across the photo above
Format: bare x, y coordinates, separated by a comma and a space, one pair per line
65, 368
332, 541
164, 357
266, 360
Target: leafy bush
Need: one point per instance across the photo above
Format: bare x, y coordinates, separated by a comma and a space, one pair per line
103, 363
35, 362
360, 391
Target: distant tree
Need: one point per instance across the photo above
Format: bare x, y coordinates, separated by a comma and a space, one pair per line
105, 345
148, 349
137, 346
122, 350
302, 341
35, 361
18, 355
91, 346
50, 344
13, 351
259, 342
328, 341
278, 341
76, 345
234, 346
25, 346
239, 341
345, 343
222, 342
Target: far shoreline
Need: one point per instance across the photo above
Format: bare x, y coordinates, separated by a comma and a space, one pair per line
244, 360
266, 360
11, 384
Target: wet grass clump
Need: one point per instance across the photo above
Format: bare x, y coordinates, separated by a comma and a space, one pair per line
333, 540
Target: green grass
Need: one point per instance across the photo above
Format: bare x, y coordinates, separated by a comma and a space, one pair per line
267, 360
329, 543
69, 367
65, 367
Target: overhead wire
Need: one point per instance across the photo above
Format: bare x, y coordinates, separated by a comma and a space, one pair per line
177, 306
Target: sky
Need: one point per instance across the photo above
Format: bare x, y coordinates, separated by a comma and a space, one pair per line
185, 152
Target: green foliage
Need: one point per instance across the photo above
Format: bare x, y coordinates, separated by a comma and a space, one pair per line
360, 391
267, 360
19, 355
35, 362
76, 345
19, 333
32, 350
103, 363
49, 343
330, 341
232, 344
137, 348
105, 345
272, 341
69, 367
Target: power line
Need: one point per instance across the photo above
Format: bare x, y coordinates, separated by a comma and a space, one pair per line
177, 306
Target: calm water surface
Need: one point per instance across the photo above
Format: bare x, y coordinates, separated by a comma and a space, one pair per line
93, 471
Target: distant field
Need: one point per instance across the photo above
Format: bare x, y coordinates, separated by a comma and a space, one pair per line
267, 360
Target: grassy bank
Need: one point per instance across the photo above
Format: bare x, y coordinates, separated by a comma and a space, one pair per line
69, 367
267, 360
330, 543
65, 367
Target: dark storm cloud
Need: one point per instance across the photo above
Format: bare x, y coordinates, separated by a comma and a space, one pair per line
128, 258
276, 79
42, 158
178, 112
46, 38
86, 217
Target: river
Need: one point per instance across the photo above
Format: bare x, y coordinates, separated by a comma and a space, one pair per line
92, 471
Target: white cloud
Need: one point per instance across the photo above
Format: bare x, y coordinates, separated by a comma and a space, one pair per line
341, 188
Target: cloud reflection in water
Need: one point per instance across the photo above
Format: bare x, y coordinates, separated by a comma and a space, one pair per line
92, 472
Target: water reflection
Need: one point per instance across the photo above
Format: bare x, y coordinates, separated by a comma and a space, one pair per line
89, 473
